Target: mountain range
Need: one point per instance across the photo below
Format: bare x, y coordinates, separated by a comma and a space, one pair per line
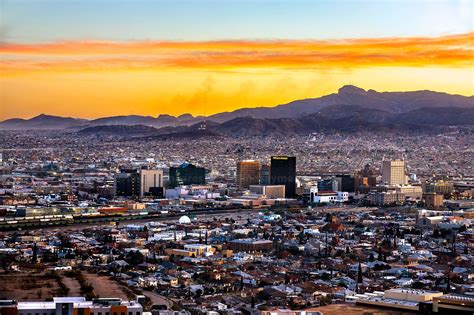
350, 109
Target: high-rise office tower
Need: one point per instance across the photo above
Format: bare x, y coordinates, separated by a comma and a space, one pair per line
346, 182
393, 172
283, 172
150, 179
187, 174
248, 173
265, 175
127, 183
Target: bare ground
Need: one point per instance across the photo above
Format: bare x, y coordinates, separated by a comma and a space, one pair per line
105, 287
73, 286
27, 287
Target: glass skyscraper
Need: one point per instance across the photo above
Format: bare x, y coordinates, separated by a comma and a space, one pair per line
283, 172
187, 174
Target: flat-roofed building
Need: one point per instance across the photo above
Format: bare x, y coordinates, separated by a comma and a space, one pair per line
127, 183
251, 245
187, 174
366, 179
400, 299
440, 187
199, 249
429, 222
283, 172
150, 179
265, 175
270, 191
79, 306
324, 197
410, 191
179, 252
248, 173
433, 200
385, 198
278, 311
393, 172
411, 295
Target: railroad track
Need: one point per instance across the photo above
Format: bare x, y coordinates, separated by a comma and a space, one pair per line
90, 220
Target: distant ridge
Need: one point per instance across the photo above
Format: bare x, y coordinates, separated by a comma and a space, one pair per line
392, 102
42, 122
119, 130
405, 106
338, 118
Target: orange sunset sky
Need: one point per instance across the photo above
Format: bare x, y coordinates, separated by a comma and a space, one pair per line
96, 74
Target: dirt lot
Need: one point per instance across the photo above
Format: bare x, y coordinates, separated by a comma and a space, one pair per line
40, 286
73, 286
337, 309
104, 287
23, 287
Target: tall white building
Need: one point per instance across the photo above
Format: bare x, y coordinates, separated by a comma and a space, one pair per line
393, 172
149, 179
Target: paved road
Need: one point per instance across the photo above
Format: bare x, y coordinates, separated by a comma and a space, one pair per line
157, 299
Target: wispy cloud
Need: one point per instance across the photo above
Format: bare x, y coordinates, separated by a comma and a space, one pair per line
447, 51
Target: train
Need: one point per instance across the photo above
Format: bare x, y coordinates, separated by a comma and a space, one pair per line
9, 223
71, 218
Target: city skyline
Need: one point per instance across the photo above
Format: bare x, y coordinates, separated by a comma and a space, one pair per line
94, 59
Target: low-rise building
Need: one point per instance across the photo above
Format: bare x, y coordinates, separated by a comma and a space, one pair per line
270, 191
412, 192
385, 198
251, 245
73, 306
433, 200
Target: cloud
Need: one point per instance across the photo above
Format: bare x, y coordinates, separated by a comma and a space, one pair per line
446, 51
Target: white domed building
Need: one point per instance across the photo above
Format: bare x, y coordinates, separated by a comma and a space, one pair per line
184, 220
